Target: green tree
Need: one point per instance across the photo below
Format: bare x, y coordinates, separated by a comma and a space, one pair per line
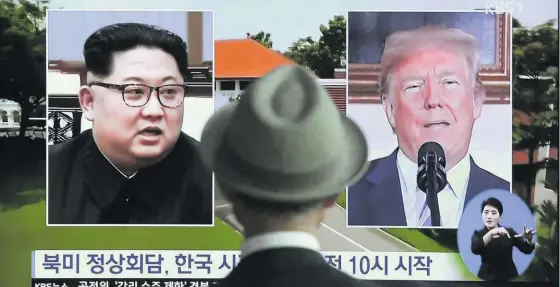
546, 265
535, 99
515, 23
261, 37
326, 54
23, 55
305, 52
535, 68
333, 39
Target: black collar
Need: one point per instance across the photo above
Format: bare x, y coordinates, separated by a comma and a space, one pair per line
151, 186
279, 259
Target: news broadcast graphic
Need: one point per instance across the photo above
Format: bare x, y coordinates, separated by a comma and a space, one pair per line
214, 282
145, 79
428, 77
216, 264
508, 250
22, 204
123, 282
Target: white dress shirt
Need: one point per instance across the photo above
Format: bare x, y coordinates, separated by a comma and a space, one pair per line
281, 239
451, 199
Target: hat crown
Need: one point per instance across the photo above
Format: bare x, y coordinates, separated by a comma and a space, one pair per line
286, 122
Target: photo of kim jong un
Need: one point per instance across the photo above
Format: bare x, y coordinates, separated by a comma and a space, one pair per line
129, 93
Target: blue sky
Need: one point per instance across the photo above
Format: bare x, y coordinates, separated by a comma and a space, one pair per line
288, 20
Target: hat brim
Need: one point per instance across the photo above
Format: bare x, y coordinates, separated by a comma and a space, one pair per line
350, 169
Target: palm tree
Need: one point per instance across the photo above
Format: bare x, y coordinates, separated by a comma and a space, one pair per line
261, 37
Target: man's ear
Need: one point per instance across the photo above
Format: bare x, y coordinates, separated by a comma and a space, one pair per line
389, 110
85, 97
477, 105
330, 202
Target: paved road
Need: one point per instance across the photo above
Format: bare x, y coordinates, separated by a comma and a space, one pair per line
333, 234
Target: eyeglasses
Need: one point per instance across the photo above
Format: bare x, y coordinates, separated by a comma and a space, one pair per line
138, 95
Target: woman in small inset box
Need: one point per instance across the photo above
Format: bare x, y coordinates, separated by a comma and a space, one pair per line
494, 243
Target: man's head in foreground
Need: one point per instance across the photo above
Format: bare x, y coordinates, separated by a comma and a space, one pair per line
134, 93
283, 152
431, 90
263, 216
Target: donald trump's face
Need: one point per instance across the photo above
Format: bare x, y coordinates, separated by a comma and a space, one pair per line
431, 98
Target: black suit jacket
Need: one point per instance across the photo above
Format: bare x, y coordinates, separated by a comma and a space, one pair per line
288, 267
376, 200
84, 188
496, 257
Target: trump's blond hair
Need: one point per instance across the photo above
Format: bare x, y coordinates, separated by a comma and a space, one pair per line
400, 45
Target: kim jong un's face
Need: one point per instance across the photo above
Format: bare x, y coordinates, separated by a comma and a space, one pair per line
131, 130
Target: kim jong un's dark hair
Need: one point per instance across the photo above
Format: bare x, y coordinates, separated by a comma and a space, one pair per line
494, 202
103, 43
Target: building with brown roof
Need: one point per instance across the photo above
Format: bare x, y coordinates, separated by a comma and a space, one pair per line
238, 62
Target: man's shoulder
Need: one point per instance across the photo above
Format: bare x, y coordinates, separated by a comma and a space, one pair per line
186, 139
61, 148
382, 160
340, 278
189, 147
319, 276
480, 232
61, 160
489, 179
67, 148
188, 144
377, 170
200, 191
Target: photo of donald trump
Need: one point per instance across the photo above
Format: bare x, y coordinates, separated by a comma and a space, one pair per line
430, 91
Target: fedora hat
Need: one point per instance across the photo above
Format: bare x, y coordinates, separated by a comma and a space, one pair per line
284, 141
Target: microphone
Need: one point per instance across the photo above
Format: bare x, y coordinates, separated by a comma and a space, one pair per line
431, 177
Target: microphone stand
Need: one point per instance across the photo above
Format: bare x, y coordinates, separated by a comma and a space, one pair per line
432, 189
